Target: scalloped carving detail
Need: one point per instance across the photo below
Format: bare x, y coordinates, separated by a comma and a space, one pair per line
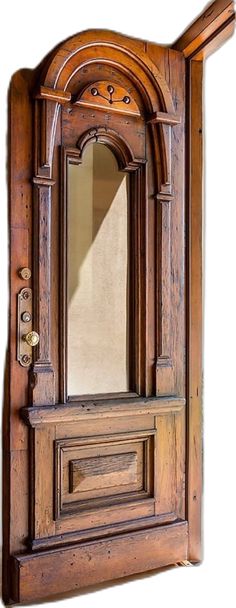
118, 145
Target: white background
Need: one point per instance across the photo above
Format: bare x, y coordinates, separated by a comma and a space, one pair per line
29, 31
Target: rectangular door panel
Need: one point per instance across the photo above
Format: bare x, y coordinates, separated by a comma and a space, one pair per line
102, 482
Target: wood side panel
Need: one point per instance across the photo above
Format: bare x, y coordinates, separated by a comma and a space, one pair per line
19, 499
42, 463
20, 204
170, 464
171, 237
177, 75
15, 434
72, 568
195, 313
55, 267
180, 470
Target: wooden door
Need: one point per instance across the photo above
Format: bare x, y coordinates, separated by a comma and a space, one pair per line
102, 453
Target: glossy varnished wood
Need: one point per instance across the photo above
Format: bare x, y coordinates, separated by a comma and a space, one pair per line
213, 26
195, 308
79, 566
102, 486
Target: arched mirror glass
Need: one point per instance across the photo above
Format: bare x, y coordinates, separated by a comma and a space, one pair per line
98, 274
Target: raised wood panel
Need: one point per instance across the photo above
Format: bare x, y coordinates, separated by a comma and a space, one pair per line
116, 470
110, 470
104, 480
170, 217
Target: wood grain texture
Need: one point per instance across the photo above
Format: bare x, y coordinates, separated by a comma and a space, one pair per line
153, 484
170, 326
103, 408
195, 316
205, 35
15, 435
100, 471
105, 95
72, 568
99, 491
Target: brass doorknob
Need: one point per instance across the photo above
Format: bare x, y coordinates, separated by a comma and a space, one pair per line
32, 338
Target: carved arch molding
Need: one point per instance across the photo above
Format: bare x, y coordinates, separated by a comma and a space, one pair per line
110, 73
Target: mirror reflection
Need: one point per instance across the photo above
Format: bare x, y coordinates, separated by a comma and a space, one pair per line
98, 274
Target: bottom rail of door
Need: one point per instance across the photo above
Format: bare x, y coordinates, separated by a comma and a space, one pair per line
39, 575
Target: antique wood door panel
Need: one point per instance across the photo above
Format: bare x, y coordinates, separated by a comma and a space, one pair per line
100, 478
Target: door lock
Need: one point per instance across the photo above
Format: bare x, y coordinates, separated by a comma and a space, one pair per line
27, 338
26, 316
32, 338
24, 273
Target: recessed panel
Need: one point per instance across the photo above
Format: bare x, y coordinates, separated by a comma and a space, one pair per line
107, 472
82, 482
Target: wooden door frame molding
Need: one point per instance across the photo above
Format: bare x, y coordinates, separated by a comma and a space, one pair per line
136, 168
203, 37
208, 32
212, 28
54, 82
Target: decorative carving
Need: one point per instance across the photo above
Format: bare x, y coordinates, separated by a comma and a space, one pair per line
164, 123
118, 51
119, 146
161, 124
53, 94
164, 118
103, 95
110, 89
148, 85
165, 142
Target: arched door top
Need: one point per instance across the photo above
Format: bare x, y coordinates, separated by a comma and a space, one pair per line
127, 55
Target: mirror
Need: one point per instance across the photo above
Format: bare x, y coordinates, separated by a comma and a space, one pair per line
98, 274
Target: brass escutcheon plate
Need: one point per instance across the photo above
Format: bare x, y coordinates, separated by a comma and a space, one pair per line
24, 350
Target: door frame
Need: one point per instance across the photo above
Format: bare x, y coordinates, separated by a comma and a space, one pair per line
210, 30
